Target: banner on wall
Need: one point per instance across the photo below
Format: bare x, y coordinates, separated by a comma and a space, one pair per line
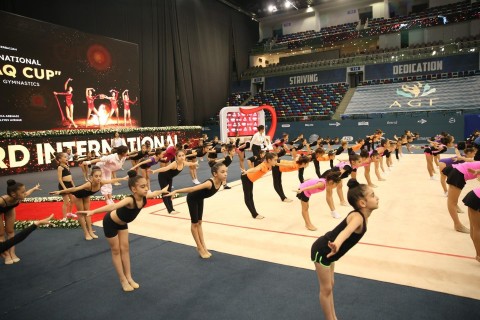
34, 154
306, 79
52, 77
422, 67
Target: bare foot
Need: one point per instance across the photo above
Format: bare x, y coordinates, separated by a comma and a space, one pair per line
133, 284
203, 254
208, 252
310, 227
93, 235
459, 210
15, 259
259, 217
126, 286
8, 259
88, 237
343, 203
372, 185
462, 228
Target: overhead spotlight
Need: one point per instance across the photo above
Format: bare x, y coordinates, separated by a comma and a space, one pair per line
289, 4
272, 8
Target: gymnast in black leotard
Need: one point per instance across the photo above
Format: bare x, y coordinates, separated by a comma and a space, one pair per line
115, 225
166, 174
195, 198
81, 198
16, 192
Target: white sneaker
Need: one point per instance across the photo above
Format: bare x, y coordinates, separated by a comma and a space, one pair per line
335, 215
196, 181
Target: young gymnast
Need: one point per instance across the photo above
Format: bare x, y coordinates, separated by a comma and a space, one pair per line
346, 169
334, 244
141, 154
250, 176
81, 198
226, 161
469, 153
16, 192
367, 159
434, 150
287, 166
241, 147
109, 164
65, 181
149, 162
195, 198
115, 225
472, 201
457, 175
312, 186
23, 234
166, 174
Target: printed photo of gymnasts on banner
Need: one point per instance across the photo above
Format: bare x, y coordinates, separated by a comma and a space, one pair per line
56, 78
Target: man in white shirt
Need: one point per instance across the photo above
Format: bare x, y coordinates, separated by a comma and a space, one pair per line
259, 140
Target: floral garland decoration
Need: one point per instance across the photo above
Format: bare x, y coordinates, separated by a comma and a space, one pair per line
84, 132
92, 198
64, 223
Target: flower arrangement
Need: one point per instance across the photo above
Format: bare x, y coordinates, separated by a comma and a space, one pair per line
64, 223
85, 132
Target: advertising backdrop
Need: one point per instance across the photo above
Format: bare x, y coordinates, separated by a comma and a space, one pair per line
37, 59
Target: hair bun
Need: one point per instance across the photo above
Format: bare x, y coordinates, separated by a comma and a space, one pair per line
11, 182
96, 168
132, 173
352, 183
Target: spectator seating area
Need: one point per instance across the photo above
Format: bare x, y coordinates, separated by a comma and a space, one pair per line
417, 95
319, 102
237, 98
451, 13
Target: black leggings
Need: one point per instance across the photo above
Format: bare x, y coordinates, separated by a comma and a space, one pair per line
256, 149
163, 183
248, 195
195, 207
316, 164
277, 182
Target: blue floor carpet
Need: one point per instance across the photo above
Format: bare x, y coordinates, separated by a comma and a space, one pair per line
62, 276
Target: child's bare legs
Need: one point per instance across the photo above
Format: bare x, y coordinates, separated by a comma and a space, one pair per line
474, 217
84, 171
452, 200
82, 219
443, 178
197, 234
306, 216
5, 254
326, 281
340, 194
430, 169
10, 230
88, 220
66, 206
121, 260
241, 159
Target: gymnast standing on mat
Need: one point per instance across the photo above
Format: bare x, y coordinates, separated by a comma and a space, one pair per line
195, 198
334, 244
287, 166
457, 175
166, 174
316, 185
115, 225
16, 192
81, 198
65, 181
472, 201
253, 174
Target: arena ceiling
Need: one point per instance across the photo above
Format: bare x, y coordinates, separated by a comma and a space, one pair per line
263, 8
